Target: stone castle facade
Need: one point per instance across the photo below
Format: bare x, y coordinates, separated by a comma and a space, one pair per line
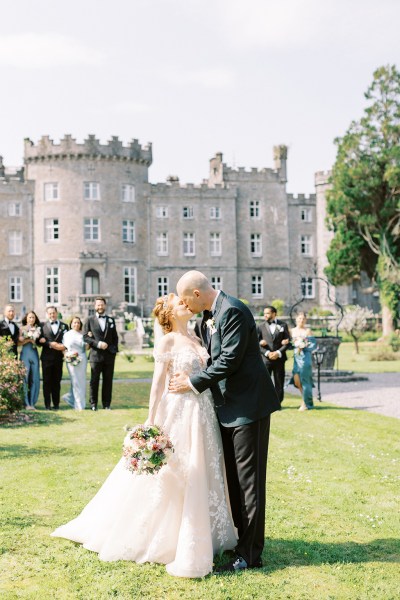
82, 219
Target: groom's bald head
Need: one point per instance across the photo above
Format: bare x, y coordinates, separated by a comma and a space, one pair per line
196, 291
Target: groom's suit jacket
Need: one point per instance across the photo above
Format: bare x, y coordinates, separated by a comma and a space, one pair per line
93, 334
49, 355
241, 386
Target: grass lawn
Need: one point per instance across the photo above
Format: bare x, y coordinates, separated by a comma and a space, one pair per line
331, 527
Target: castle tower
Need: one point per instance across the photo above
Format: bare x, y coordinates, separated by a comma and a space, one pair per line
90, 226
280, 161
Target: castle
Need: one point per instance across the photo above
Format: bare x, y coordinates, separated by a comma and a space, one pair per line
82, 219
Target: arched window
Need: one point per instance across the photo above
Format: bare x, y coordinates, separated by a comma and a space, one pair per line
92, 282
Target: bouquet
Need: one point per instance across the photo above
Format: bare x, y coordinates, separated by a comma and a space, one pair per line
300, 343
146, 449
72, 358
31, 334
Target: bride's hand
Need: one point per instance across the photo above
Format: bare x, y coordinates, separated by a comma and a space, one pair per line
178, 384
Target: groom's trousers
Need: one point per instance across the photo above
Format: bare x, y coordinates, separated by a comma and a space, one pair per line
246, 453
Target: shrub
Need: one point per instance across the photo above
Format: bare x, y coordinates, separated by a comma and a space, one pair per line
384, 353
12, 378
394, 341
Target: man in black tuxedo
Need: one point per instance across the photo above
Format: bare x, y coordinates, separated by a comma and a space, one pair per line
10, 329
273, 337
100, 333
244, 398
51, 336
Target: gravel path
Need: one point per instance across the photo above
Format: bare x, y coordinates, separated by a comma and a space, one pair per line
380, 394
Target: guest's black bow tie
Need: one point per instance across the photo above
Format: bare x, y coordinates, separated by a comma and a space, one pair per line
53, 322
101, 316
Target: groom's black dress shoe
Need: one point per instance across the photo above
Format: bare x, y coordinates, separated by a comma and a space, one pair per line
237, 564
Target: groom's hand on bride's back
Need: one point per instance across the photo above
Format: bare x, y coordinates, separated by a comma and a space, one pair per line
179, 383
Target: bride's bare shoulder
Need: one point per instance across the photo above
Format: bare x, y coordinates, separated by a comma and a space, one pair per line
165, 344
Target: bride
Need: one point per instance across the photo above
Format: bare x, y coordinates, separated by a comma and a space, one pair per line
179, 516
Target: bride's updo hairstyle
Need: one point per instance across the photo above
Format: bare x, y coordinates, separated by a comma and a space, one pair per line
163, 312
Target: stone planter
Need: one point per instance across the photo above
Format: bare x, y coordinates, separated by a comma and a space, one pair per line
331, 345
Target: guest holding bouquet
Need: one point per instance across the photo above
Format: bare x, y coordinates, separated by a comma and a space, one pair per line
29, 334
303, 343
75, 358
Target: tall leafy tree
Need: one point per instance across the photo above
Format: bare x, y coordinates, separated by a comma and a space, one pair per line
363, 204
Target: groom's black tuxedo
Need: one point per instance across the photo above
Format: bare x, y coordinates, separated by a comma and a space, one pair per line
101, 361
274, 343
6, 332
244, 397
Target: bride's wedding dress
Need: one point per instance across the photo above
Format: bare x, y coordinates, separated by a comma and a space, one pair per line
180, 516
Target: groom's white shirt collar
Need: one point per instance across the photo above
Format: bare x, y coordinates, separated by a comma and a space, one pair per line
214, 304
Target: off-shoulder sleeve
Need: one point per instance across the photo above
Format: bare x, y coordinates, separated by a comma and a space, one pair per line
162, 356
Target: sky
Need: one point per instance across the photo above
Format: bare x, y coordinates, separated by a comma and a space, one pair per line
194, 77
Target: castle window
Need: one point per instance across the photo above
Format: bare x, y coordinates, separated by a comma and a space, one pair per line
162, 244
306, 248
15, 243
189, 244
91, 230
51, 192
215, 244
15, 288
306, 215
127, 192
215, 212
130, 285
187, 212
307, 287
161, 212
162, 286
216, 282
255, 244
254, 209
91, 190
15, 209
257, 286
51, 230
92, 282
128, 231
52, 285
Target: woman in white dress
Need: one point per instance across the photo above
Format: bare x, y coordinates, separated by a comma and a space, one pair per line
179, 516
73, 342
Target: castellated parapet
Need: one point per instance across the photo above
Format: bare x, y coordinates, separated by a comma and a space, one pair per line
91, 148
322, 177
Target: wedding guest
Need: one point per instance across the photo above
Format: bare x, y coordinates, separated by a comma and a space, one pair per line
51, 335
273, 337
100, 333
29, 334
10, 329
303, 343
75, 358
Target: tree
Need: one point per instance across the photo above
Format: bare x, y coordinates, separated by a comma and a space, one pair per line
354, 322
363, 203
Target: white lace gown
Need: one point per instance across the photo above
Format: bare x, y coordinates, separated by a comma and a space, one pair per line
180, 516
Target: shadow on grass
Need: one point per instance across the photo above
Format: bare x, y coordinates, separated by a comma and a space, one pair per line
21, 451
36, 418
281, 553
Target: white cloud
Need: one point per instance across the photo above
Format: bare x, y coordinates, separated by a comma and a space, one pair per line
46, 50
213, 77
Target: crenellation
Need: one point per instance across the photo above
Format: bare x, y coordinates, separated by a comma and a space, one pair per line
92, 149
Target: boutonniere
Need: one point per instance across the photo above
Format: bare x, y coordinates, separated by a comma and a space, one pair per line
279, 328
211, 325
90, 334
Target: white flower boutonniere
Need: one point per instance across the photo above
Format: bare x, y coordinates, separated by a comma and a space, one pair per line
279, 328
211, 326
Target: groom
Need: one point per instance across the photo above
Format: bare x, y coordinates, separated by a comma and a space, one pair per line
244, 398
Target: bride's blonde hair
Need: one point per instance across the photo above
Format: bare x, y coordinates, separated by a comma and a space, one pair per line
163, 312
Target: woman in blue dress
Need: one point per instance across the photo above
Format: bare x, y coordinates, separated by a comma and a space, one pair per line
29, 333
303, 343
75, 357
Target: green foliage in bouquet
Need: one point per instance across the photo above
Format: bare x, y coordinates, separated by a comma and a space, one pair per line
12, 382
